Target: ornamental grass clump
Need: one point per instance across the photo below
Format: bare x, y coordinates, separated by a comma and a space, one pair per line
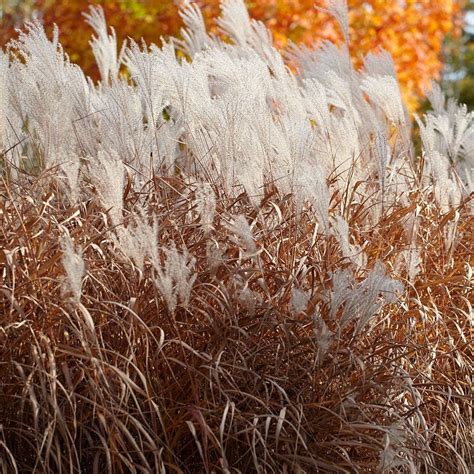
213, 262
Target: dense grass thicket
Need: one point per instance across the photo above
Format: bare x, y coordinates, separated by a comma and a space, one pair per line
222, 259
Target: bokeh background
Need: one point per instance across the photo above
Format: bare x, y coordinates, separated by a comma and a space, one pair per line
428, 39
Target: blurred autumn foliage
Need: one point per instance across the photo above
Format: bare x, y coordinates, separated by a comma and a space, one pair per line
413, 31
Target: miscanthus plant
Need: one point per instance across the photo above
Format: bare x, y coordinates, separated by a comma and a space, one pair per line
222, 258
